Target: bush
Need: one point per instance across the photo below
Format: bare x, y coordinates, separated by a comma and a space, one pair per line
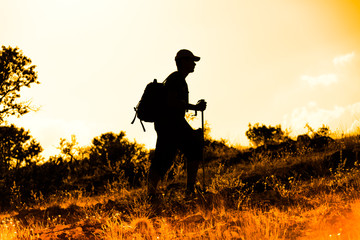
111, 158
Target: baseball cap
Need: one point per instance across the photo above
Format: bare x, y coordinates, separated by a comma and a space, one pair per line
184, 53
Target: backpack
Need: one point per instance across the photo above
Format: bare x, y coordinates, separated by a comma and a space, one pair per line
151, 104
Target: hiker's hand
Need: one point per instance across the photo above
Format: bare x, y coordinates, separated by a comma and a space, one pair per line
201, 105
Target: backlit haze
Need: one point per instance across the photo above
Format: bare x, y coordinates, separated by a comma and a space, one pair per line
273, 62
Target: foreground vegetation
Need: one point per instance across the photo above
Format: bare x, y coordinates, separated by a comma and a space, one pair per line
311, 193
330, 217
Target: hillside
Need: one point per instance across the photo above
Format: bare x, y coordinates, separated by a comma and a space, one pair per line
251, 194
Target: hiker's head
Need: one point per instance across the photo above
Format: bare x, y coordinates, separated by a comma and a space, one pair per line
185, 61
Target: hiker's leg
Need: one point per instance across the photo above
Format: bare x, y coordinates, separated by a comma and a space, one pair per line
192, 169
193, 160
153, 180
193, 149
164, 154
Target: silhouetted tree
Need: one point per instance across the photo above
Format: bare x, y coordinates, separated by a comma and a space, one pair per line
17, 147
116, 153
69, 148
323, 131
16, 72
263, 135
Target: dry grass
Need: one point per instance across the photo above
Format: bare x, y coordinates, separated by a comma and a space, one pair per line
320, 207
332, 217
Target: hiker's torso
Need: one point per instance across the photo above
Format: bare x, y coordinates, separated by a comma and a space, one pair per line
177, 90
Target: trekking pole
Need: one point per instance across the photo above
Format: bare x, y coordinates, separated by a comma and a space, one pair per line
203, 146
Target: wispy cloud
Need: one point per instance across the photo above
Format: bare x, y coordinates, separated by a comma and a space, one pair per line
325, 79
354, 128
312, 114
342, 60
339, 118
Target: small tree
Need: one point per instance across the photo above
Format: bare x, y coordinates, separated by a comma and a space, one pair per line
17, 147
263, 135
115, 153
323, 131
16, 72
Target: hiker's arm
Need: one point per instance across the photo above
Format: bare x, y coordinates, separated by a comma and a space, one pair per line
191, 107
200, 106
176, 103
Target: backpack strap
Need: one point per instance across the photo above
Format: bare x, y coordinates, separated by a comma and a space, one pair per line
132, 122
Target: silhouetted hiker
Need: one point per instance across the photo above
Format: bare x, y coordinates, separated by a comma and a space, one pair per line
173, 131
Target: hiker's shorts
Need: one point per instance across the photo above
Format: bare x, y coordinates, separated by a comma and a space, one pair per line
174, 135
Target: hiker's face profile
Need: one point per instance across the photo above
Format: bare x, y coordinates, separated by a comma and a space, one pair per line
189, 65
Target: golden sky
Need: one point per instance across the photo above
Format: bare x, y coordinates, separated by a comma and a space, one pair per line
273, 62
